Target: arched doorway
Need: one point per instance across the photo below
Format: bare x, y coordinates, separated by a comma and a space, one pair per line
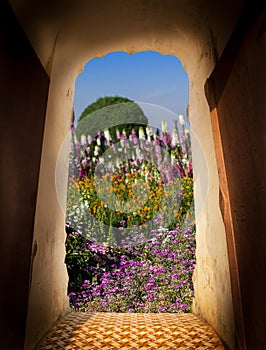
156, 76
210, 300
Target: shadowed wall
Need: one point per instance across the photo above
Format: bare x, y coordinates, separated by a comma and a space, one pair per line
24, 89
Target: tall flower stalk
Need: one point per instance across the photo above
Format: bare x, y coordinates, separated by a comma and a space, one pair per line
160, 162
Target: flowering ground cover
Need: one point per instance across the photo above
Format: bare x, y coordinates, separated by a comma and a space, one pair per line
145, 276
130, 205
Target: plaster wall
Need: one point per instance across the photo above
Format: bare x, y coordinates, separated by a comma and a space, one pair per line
48, 296
194, 33
213, 299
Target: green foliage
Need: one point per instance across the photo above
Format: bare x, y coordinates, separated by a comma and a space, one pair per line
101, 103
113, 113
76, 259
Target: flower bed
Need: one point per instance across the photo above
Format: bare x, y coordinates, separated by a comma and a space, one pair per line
146, 276
131, 205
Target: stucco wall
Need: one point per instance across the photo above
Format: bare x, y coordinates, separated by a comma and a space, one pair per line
213, 299
196, 34
48, 297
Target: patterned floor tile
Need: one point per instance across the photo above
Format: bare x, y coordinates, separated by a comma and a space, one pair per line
129, 331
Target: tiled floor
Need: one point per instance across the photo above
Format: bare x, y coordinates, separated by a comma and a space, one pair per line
115, 331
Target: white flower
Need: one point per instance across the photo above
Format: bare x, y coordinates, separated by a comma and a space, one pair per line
97, 150
141, 134
164, 126
185, 160
172, 159
149, 132
107, 134
83, 140
175, 139
98, 141
181, 119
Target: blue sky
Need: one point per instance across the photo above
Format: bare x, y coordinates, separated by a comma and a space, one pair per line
157, 82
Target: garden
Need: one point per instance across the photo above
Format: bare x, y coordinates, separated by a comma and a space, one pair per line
130, 243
